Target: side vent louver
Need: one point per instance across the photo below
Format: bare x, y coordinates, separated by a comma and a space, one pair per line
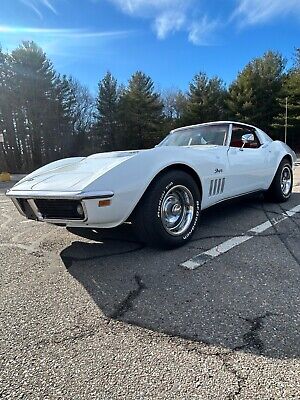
216, 186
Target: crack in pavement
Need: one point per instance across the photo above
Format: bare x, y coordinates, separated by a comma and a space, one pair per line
251, 338
223, 357
81, 335
251, 341
241, 380
127, 303
293, 219
281, 236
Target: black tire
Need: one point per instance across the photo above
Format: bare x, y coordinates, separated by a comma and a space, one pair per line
276, 192
156, 204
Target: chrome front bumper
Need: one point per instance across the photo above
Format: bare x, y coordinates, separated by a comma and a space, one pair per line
30, 194
31, 198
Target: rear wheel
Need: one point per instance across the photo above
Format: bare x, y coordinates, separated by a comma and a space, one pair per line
282, 185
168, 213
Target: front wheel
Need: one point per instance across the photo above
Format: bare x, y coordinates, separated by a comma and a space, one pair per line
169, 211
282, 185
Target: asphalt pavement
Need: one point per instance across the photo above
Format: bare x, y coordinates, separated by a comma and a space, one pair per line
87, 315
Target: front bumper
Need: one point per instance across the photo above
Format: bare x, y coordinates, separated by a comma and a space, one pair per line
33, 205
31, 194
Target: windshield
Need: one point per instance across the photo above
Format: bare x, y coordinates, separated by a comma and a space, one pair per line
200, 135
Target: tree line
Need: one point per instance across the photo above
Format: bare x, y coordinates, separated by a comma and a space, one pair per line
45, 116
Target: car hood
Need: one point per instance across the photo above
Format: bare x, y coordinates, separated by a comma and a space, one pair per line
73, 174
80, 173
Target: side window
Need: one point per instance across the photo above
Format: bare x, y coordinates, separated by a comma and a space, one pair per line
236, 137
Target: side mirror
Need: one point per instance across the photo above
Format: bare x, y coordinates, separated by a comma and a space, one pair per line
246, 139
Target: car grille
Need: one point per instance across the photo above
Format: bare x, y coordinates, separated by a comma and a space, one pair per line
53, 209
59, 209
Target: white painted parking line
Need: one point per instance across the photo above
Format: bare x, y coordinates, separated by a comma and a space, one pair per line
208, 255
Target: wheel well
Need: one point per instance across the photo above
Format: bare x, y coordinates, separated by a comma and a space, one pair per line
289, 158
181, 167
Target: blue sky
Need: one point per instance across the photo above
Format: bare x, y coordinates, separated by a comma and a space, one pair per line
170, 40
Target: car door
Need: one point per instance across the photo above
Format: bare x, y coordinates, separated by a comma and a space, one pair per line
211, 161
247, 165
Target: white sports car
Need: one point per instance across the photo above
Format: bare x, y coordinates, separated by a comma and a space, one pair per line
162, 190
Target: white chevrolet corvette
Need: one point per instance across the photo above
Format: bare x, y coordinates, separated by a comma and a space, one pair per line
162, 190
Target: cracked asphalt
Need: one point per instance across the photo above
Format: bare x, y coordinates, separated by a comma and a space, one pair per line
99, 315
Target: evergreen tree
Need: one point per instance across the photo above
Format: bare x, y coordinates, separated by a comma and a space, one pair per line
141, 112
290, 96
206, 100
107, 116
34, 82
9, 157
253, 97
35, 109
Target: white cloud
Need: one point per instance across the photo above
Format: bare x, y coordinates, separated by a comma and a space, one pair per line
200, 32
49, 5
170, 16
60, 33
67, 43
150, 7
32, 6
168, 22
37, 5
254, 12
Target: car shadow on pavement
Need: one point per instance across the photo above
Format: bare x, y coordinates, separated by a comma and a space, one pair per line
247, 299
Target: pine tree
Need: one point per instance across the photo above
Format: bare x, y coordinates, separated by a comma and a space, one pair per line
206, 100
141, 112
107, 116
253, 97
290, 96
10, 152
35, 79
35, 109
293, 95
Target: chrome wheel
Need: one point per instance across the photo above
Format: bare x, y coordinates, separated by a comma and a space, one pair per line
286, 181
177, 210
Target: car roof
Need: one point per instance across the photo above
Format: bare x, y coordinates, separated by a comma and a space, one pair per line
212, 123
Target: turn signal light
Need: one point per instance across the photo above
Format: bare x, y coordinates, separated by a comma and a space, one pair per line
104, 203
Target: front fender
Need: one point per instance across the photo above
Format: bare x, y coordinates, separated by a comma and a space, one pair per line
130, 180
